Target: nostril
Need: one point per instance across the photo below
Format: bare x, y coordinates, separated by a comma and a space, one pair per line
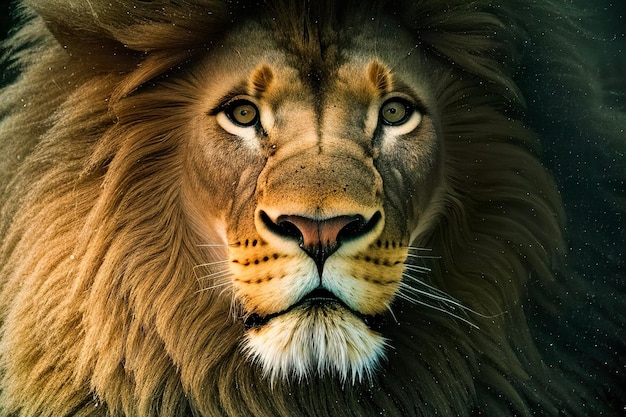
282, 227
290, 230
358, 227
352, 230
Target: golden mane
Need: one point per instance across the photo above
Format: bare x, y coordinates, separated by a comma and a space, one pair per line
100, 309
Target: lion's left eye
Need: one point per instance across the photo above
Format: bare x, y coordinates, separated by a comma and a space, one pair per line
242, 113
396, 112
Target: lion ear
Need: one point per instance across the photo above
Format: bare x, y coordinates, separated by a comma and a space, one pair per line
380, 77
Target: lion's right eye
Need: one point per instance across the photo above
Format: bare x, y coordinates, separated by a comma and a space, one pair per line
240, 117
242, 113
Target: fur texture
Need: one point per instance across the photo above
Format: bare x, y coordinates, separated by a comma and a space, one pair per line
511, 301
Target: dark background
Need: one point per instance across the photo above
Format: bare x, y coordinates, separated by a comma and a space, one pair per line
7, 20
5, 17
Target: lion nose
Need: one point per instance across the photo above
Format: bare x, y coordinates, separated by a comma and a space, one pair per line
320, 238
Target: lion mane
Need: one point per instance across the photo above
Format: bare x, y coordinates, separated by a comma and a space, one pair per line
512, 299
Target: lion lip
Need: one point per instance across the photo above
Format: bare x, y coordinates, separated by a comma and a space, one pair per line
317, 297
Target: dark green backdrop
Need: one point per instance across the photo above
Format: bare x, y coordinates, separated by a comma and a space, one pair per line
5, 18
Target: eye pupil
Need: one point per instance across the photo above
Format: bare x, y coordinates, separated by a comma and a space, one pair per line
243, 113
395, 112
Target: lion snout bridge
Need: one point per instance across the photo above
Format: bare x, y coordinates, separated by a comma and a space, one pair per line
320, 238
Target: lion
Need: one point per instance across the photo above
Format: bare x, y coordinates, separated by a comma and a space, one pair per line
309, 208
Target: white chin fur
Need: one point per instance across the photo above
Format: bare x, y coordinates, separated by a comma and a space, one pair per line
324, 339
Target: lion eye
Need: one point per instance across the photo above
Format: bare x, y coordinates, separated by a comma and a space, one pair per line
396, 111
242, 113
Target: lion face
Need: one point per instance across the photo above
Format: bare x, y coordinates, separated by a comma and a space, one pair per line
317, 188
225, 208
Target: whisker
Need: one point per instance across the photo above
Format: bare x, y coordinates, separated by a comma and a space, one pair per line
425, 284
417, 268
430, 297
445, 299
220, 278
212, 287
211, 264
392, 314
215, 245
214, 275
437, 308
412, 255
436, 295
233, 311
419, 248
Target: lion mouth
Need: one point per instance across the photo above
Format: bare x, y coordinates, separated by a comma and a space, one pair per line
319, 297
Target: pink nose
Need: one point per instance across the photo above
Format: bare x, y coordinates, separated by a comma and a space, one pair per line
320, 238
320, 233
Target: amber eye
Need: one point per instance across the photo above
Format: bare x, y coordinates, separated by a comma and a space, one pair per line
396, 111
242, 113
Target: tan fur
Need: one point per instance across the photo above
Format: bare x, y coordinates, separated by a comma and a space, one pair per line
139, 222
